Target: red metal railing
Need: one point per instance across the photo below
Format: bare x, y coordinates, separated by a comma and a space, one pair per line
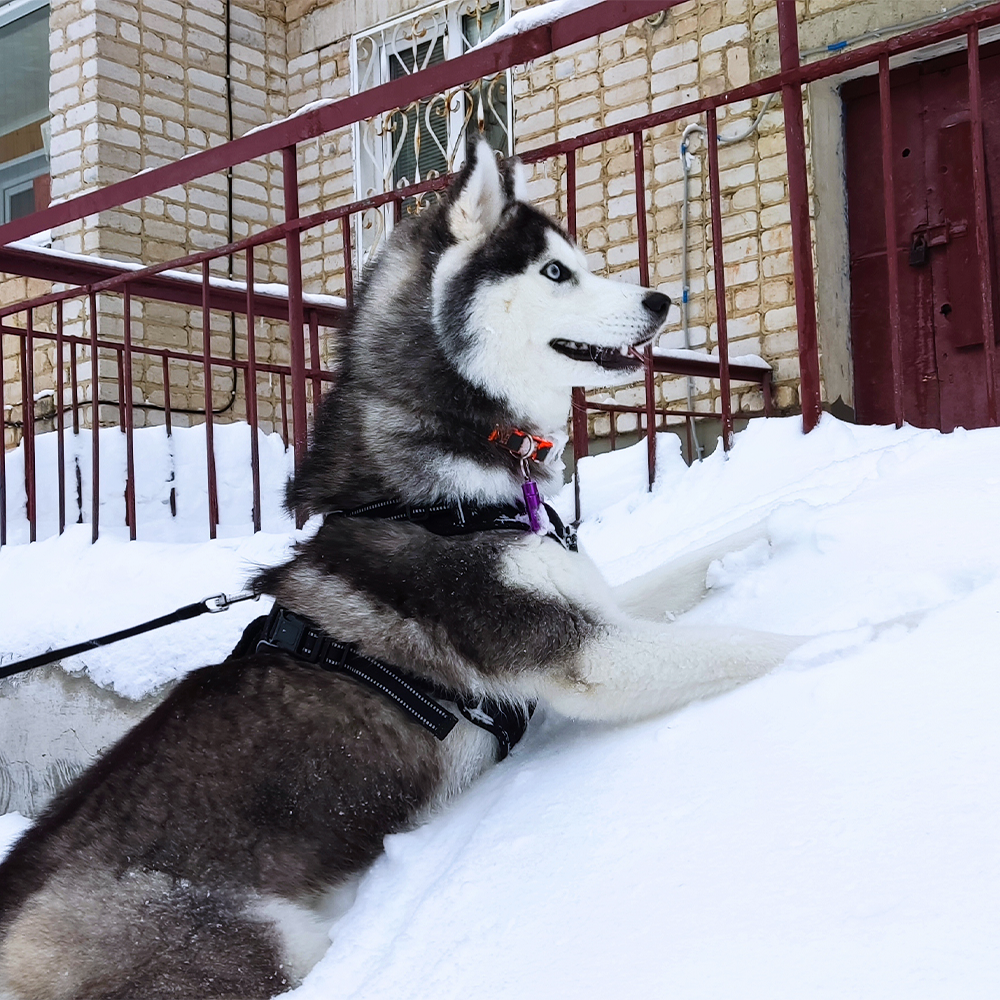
304, 320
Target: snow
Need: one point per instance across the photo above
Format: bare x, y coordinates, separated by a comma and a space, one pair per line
33, 245
535, 17
827, 831
751, 360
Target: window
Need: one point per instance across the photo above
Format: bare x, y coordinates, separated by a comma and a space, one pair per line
428, 138
24, 107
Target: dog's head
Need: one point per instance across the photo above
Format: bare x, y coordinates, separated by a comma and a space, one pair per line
514, 301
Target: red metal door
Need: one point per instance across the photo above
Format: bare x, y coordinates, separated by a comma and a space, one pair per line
943, 358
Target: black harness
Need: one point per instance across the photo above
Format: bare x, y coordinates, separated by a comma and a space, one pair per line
419, 698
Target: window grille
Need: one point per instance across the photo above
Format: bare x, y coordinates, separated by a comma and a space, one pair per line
426, 138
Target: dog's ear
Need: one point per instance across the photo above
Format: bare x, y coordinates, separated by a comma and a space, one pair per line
476, 209
515, 180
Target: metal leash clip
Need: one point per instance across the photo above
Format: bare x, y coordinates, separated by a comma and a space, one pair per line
220, 602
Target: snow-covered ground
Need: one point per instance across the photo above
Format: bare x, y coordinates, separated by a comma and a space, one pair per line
827, 831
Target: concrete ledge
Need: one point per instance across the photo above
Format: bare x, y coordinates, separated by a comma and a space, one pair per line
52, 725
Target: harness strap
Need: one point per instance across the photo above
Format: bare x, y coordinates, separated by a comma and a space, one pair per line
419, 699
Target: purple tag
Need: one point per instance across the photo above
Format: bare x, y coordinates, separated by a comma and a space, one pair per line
532, 501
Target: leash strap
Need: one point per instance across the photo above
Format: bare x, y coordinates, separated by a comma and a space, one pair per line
291, 633
211, 605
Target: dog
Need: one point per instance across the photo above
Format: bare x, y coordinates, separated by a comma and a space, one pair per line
207, 853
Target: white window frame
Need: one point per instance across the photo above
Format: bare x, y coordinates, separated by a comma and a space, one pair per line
373, 173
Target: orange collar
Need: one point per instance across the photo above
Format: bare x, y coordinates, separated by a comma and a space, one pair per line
522, 445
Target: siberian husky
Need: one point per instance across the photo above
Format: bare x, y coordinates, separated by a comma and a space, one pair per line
206, 854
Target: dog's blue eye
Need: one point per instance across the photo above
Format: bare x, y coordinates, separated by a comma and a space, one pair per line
555, 271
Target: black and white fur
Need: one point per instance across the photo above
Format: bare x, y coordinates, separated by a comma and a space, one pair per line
207, 853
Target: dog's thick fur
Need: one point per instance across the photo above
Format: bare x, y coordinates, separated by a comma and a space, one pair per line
206, 854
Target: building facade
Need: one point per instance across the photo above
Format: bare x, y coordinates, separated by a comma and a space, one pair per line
133, 85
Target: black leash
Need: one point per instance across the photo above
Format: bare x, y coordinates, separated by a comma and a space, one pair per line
211, 605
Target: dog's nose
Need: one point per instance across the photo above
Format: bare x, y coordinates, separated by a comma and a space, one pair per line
657, 303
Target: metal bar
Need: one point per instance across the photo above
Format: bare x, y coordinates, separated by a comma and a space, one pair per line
250, 388
571, 193
95, 419
166, 395
891, 252
718, 257
74, 386
798, 198
3, 453
650, 409
439, 78
206, 340
155, 281
60, 420
284, 410
296, 331
765, 389
640, 208
121, 382
160, 352
979, 182
28, 425
314, 360
581, 444
345, 229
127, 414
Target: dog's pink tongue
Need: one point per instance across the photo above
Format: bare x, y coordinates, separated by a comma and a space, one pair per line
532, 501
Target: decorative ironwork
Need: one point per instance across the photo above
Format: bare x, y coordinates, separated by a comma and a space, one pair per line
428, 137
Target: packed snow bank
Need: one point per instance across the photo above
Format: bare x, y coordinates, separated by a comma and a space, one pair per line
164, 464
827, 831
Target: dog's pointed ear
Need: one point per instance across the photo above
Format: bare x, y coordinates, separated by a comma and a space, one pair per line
476, 209
515, 180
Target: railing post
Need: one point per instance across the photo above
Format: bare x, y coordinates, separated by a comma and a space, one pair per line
28, 425
718, 257
296, 326
60, 419
647, 370
250, 388
95, 413
3, 456
127, 414
206, 336
798, 197
581, 444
